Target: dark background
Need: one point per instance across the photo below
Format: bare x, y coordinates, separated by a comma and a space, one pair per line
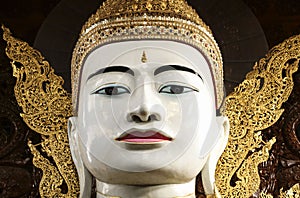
278, 18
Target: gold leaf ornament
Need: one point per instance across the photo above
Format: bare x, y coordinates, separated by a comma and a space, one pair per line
46, 108
294, 192
253, 106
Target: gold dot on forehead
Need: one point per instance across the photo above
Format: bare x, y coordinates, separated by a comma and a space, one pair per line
144, 57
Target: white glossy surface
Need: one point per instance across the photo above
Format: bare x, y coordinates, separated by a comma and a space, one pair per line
156, 191
189, 118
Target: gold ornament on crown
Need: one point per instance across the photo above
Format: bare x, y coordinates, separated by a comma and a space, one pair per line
122, 20
144, 57
254, 105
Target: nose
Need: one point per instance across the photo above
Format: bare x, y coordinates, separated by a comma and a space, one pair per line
143, 115
145, 105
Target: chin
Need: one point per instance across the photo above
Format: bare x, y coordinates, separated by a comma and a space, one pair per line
178, 172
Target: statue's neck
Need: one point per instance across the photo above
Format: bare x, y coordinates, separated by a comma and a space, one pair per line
186, 190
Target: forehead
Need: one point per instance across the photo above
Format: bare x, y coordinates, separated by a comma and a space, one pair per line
157, 52
151, 54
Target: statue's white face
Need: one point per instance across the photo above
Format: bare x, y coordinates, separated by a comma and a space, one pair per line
146, 119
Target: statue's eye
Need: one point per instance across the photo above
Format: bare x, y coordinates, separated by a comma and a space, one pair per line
112, 90
175, 89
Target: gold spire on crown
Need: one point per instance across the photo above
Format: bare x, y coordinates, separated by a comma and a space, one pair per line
123, 20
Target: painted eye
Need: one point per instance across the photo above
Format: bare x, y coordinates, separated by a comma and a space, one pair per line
112, 90
175, 89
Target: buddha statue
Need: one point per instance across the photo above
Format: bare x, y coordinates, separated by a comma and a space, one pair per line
147, 88
146, 113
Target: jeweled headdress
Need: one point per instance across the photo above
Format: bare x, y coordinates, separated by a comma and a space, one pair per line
122, 20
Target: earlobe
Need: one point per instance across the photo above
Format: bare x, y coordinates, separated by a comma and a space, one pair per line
208, 172
72, 126
72, 133
85, 178
226, 126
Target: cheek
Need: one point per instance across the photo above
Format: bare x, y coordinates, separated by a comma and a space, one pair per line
192, 108
196, 112
173, 114
100, 116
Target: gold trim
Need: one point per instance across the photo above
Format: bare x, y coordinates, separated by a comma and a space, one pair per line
293, 192
253, 106
46, 107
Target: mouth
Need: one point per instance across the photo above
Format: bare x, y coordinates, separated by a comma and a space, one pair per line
146, 137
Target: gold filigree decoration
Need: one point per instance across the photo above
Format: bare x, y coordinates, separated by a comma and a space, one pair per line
294, 192
46, 107
253, 106
265, 195
113, 9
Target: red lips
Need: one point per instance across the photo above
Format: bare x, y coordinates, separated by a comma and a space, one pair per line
143, 137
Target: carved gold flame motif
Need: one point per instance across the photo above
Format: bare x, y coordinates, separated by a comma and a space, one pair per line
46, 107
253, 106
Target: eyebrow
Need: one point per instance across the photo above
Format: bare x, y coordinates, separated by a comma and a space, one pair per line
122, 69
175, 67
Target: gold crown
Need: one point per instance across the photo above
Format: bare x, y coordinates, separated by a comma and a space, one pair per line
112, 9
123, 20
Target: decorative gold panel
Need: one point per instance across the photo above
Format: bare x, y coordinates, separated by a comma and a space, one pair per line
253, 106
46, 107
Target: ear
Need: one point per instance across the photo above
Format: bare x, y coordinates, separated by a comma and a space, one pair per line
85, 178
208, 171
